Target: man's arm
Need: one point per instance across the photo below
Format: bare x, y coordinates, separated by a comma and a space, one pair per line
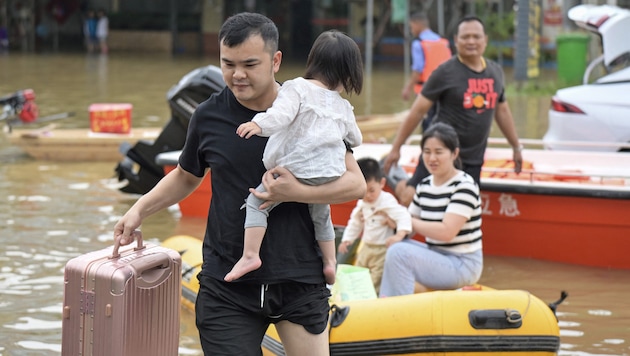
417, 66
419, 108
505, 121
411, 82
174, 187
282, 186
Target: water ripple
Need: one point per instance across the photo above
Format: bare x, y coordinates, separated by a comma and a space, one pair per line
37, 345
30, 323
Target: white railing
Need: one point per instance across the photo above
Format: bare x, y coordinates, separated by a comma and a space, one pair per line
539, 143
592, 169
579, 178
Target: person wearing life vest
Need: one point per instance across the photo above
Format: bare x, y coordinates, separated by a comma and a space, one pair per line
428, 51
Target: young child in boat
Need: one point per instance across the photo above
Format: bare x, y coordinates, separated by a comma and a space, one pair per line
370, 219
309, 127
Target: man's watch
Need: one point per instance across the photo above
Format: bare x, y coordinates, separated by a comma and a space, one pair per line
518, 148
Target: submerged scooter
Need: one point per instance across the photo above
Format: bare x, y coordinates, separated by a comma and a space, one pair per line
19, 108
139, 169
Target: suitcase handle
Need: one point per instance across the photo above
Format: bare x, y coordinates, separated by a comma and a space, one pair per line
137, 234
152, 270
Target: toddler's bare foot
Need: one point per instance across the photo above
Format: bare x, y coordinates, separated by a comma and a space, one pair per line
242, 267
329, 273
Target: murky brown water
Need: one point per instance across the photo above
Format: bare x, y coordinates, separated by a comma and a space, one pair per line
51, 212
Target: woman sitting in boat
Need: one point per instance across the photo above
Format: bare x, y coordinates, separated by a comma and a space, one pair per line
446, 209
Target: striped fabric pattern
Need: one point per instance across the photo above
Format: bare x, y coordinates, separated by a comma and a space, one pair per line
460, 196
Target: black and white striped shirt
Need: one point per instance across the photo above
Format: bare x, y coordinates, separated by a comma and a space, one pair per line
460, 195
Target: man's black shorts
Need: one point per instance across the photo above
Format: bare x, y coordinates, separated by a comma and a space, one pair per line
232, 317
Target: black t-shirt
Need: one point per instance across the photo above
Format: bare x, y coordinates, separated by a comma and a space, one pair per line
467, 101
289, 251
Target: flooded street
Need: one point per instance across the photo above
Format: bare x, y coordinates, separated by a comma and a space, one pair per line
51, 212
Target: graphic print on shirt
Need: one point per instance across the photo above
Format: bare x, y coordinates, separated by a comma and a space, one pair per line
480, 95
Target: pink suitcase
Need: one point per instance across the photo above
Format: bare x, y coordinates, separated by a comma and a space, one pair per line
122, 304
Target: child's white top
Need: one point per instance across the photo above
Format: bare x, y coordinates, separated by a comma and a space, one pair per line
365, 218
306, 126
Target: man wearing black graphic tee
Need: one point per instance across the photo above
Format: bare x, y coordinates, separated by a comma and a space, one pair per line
470, 91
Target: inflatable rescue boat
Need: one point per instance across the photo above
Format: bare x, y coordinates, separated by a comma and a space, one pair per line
475, 321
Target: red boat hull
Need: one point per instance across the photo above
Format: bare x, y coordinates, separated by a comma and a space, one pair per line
570, 215
548, 228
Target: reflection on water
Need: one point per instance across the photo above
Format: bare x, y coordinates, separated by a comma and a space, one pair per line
70, 83
51, 212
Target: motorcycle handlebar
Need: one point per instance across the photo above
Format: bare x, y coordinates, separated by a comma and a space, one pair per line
19, 97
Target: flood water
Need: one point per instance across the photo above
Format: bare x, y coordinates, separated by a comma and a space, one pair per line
51, 212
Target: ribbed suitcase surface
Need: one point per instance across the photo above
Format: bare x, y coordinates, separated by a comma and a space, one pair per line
127, 305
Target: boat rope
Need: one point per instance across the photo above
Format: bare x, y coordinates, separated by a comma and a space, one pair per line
513, 316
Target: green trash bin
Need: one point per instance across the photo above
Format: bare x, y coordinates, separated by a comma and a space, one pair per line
572, 52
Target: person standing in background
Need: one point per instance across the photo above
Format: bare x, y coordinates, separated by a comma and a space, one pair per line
89, 31
4, 39
428, 51
102, 30
471, 93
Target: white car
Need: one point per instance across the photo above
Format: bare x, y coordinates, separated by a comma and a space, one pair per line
596, 116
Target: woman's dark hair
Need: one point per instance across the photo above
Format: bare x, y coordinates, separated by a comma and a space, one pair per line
238, 28
336, 59
446, 134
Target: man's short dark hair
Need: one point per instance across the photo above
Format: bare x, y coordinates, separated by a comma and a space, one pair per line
238, 28
469, 18
419, 16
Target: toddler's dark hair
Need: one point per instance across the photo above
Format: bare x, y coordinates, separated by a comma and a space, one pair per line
371, 169
336, 59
